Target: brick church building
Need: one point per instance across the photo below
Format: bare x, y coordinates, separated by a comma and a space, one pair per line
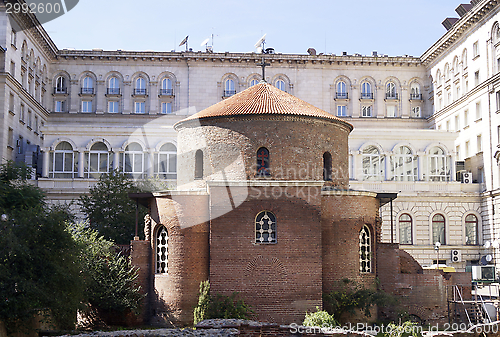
262, 208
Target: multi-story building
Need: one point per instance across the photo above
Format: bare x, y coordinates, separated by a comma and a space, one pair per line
419, 122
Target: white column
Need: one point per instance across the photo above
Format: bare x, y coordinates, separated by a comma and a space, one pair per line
420, 165
80, 163
150, 163
358, 166
116, 159
452, 166
45, 168
387, 166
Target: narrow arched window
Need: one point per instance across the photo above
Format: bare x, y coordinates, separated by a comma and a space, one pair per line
366, 91
404, 165
265, 227
390, 91
140, 86
97, 160
88, 85
471, 230
60, 85
198, 165
166, 161
365, 251
341, 90
438, 229
133, 160
373, 164
405, 229
253, 82
415, 91
327, 166
63, 161
113, 86
280, 84
263, 162
229, 88
166, 87
162, 251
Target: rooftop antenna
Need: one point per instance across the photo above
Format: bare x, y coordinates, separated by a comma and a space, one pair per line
185, 42
260, 44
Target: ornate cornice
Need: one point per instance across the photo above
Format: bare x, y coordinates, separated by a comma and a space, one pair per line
462, 26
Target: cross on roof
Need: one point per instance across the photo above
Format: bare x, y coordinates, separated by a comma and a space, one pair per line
263, 64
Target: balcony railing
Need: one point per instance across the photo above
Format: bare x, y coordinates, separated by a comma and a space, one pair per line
60, 90
342, 95
167, 92
113, 91
87, 91
391, 95
366, 95
139, 91
229, 93
416, 96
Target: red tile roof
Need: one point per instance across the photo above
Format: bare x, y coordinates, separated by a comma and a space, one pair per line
262, 99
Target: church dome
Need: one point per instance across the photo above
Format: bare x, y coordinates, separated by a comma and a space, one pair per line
262, 99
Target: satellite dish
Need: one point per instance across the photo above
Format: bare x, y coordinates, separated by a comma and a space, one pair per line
489, 258
259, 50
487, 244
205, 41
261, 40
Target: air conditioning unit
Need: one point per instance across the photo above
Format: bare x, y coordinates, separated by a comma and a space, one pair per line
456, 256
467, 178
483, 273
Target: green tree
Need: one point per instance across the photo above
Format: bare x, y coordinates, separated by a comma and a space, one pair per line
110, 210
39, 269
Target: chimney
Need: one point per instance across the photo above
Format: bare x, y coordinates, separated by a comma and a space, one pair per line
344, 53
462, 9
374, 53
449, 22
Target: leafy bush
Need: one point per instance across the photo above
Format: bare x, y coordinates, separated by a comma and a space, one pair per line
350, 297
320, 318
219, 306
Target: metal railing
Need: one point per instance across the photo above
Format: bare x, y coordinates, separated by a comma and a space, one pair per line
366, 95
342, 95
113, 91
60, 90
87, 91
228, 93
416, 96
139, 91
391, 95
167, 92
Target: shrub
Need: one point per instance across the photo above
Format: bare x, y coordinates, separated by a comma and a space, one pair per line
320, 318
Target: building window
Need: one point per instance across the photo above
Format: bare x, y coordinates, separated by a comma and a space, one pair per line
438, 229
113, 106
86, 106
140, 86
471, 230
166, 162
35, 126
373, 164
341, 110
21, 113
327, 166
404, 165
476, 78
28, 124
263, 162
166, 108
162, 251
11, 103
416, 112
265, 227
60, 85
366, 111
478, 111
439, 166
166, 87
59, 106
341, 90
390, 91
63, 163
229, 88
133, 160
10, 140
366, 91
13, 37
97, 161
140, 107
415, 91
457, 123
280, 84
467, 149
405, 229
253, 82
391, 111
479, 143
475, 49
13, 68
113, 86
457, 150
466, 118
88, 85
198, 165
365, 252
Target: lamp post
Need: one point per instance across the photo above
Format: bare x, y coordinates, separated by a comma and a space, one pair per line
436, 247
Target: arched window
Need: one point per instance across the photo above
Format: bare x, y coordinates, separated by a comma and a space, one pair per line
162, 251
97, 161
263, 162
63, 163
60, 85
471, 230
265, 227
280, 84
140, 86
415, 91
365, 251
229, 88
88, 85
390, 91
253, 82
373, 164
166, 162
366, 90
438, 229
133, 160
166, 87
113, 86
341, 90
327, 166
439, 79
464, 59
404, 165
198, 165
405, 229
446, 72
439, 167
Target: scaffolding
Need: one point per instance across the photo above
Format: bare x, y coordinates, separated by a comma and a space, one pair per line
480, 306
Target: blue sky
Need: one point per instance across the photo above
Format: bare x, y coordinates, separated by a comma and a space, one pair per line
393, 27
